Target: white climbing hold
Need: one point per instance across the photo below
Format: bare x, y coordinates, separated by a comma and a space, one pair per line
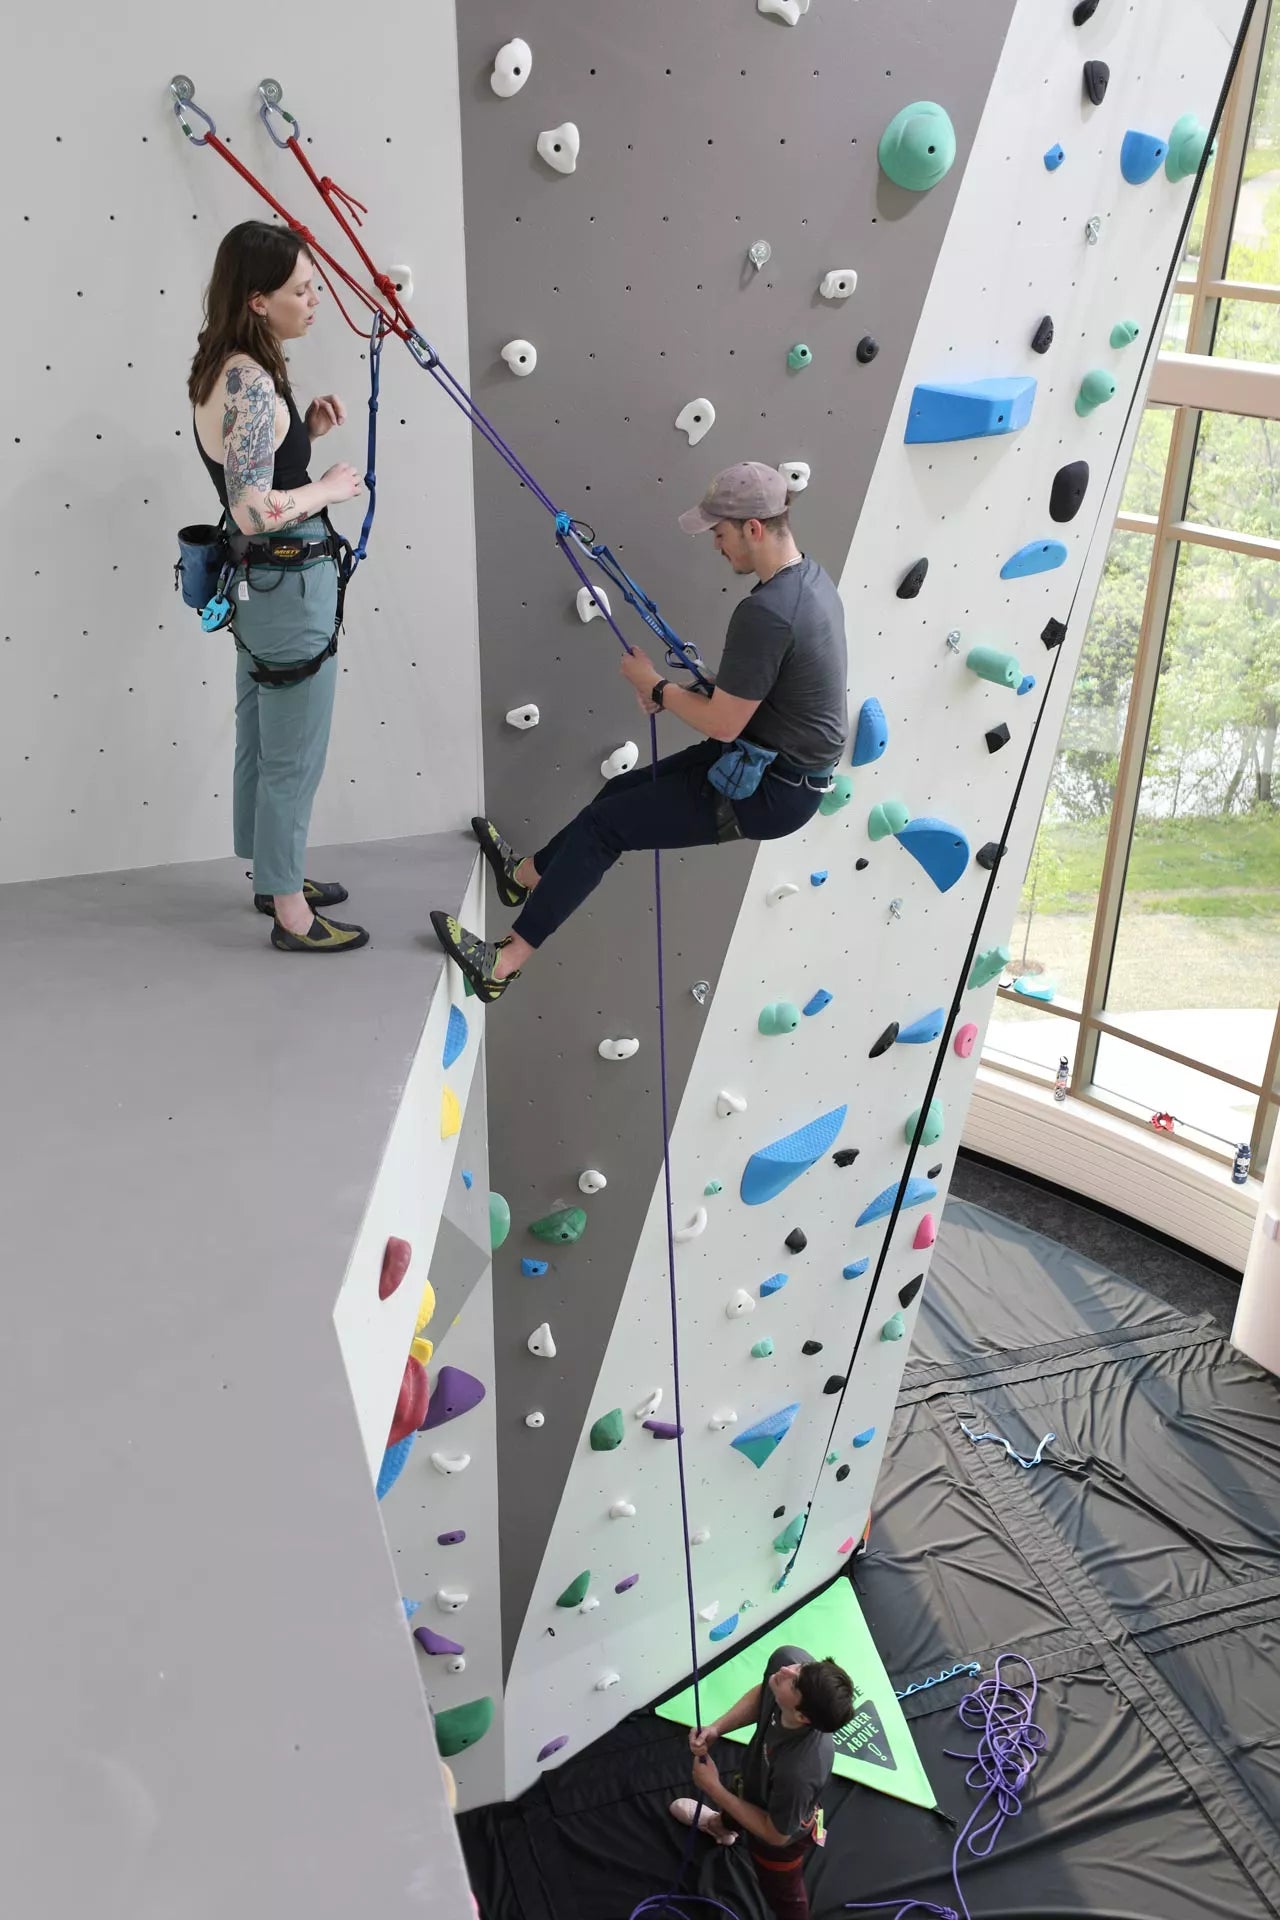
838, 284
606, 1681
697, 420
401, 279
590, 1604
697, 1224
521, 356
559, 147
541, 1343
592, 604
709, 1612
700, 1538
784, 892
647, 1408
451, 1462
788, 10
723, 1416
535, 1419
621, 760
797, 474
457, 1664
451, 1599
591, 1181
511, 68
524, 717
622, 1510
727, 1103
618, 1049
739, 1303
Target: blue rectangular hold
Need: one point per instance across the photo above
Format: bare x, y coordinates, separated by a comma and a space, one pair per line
973, 411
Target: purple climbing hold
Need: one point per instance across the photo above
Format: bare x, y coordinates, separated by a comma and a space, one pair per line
453, 1539
432, 1642
663, 1430
625, 1586
553, 1746
454, 1393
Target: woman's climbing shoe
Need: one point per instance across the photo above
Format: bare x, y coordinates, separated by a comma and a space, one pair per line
709, 1821
477, 958
323, 936
319, 895
502, 861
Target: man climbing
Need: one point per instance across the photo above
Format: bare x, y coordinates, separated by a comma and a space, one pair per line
798, 1706
774, 725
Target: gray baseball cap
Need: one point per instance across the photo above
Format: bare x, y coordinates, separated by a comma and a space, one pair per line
749, 491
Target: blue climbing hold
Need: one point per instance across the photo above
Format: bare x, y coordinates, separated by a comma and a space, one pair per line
818, 879
942, 850
410, 1607
865, 1438
1032, 987
532, 1268
725, 1628
921, 1031
771, 1170
774, 1284
1054, 158
1140, 155
759, 1441
393, 1464
1026, 683
871, 735
468, 1179
1038, 556
455, 1039
973, 411
918, 1191
855, 1269
820, 1000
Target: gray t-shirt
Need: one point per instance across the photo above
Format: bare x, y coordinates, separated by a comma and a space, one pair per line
786, 648
786, 1768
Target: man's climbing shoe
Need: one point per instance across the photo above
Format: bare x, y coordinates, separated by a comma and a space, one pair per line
319, 895
502, 860
477, 958
709, 1821
324, 936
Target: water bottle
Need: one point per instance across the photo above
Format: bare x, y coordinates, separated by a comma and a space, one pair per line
1062, 1085
1243, 1161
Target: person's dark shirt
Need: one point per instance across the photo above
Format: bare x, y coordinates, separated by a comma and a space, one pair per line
786, 1768
786, 648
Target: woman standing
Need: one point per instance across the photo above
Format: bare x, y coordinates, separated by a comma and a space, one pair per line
256, 446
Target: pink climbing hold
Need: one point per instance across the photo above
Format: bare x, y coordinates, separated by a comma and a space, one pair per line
411, 1402
552, 1746
395, 1265
624, 1586
926, 1232
432, 1642
965, 1037
846, 1546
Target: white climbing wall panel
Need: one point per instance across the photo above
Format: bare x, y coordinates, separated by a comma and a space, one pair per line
884, 942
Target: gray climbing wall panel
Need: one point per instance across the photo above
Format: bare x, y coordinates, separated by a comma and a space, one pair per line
702, 131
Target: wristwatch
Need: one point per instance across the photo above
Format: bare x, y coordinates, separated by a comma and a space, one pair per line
658, 692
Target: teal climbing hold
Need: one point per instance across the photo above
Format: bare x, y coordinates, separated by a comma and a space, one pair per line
763, 1349
1054, 158
988, 966
499, 1220
455, 1039
941, 850
1187, 143
920, 1032
840, 795
576, 1591
774, 1284
393, 1464
799, 356
1096, 389
607, 1432
1038, 556
713, 1186
865, 1438
1124, 333
789, 1539
894, 1328
563, 1225
855, 1269
933, 1125
771, 1170
817, 1002
918, 147
460, 1727
1140, 155
1031, 987
779, 1017
758, 1442
871, 735
886, 817
832, 1458
989, 663
918, 1191
976, 410
725, 1628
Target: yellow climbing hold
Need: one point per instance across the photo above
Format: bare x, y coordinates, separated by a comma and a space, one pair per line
422, 1350
426, 1307
450, 1114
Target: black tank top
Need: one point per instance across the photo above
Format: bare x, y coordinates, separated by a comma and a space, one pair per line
292, 456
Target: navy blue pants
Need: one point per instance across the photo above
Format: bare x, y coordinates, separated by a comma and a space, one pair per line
678, 808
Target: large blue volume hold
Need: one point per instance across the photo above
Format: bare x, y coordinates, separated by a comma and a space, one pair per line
1140, 155
942, 850
974, 411
918, 1191
1038, 556
770, 1171
871, 736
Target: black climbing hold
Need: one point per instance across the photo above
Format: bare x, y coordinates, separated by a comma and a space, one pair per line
1097, 74
796, 1240
885, 1041
778, 1512
835, 1384
997, 737
867, 349
912, 581
988, 855
1042, 338
846, 1156
811, 1347
935, 1171
1084, 10
842, 1473
908, 1293
1054, 634
860, 866
1067, 493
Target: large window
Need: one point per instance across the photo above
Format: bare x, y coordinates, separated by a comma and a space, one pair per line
1147, 946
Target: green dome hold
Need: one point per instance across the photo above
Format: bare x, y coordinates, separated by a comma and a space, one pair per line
564, 1226
607, 1432
1096, 389
932, 1126
576, 1591
460, 1727
762, 1349
1187, 143
918, 147
799, 356
890, 816
894, 1328
499, 1221
779, 1017
713, 1186
840, 795
1124, 333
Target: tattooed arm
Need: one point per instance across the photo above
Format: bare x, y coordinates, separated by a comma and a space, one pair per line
248, 443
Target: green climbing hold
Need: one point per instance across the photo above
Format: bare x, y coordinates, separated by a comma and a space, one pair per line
607, 1432
499, 1221
778, 1017
894, 1328
888, 816
799, 356
1096, 389
1124, 333
1187, 143
576, 1591
762, 1349
832, 1458
918, 147
713, 1186
789, 1539
460, 1727
988, 966
564, 1226
840, 795
932, 1125
1001, 669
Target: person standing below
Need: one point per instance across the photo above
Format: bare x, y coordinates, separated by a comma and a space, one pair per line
774, 728
798, 1706
256, 447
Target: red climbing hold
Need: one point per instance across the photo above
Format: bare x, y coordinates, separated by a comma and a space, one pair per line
395, 1265
411, 1402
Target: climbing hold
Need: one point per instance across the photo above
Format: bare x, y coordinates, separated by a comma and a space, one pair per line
589, 1605
842, 1473
625, 1049
532, 1269
774, 1284
1033, 988
696, 1225
521, 356
523, 717
758, 1442
395, 1264
871, 735
435, 1643
727, 1103
696, 419
663, 1429
832, 1458
799, 356
988, 966
886, 817
840, 795
710, 1611
838, 284
975, 410
866, 350
788, 11
835, 1383
918, 147
855, 1269
592, 603
778, 1017
926, 1233
738, 1304
499, 1221
713, 1187
621, 760
541, 1343
1038, 556
1066, 495
1084, 10
625, 1585
819, 877
941, 850
563, 1225
725, 1628
918, 1191
989, 854
722, 1417
448, 1463
912, 580
797, 1240
553, 1746
796, 473
908, 1293
450, 1114
845, 1156
1054, 158
455, 1039
762, 1349
864, 1438
426, 1307
1140, 155
1042, 338
608, 1431
789, 1539
422, 1350
511, 68
1054, 634
576, 1591
606, 1681
811, 1347
1097, 77
411, 1402
410, 1607
451, 1599
1096, 389
622, 1510
559, 147
933, 1124
964, 1040
817, 1001
1187, 143
771, 1170
996, 738
535, 1420
649, 1405
468, 1179
922, 1031
1001, 669
1124, 333
592, 1181
886, 1040
776, 895
455, 1392
935, 1170
894, 1328
393, 1465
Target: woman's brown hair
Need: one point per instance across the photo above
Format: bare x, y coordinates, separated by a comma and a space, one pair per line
254, 257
